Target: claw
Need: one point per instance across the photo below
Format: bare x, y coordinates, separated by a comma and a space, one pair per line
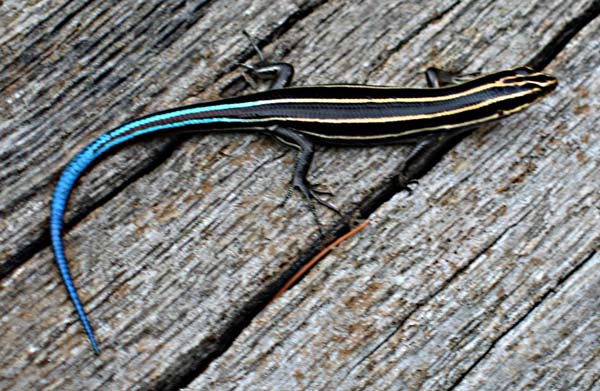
314, 195
249, 69
406, 185
317, 188
255, 46
311, 194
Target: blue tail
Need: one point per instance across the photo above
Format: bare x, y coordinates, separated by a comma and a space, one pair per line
59, 202
151, 124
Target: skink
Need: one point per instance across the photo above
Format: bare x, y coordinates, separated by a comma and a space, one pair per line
354, 115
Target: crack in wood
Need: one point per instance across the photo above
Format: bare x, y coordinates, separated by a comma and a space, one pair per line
43, 240
369, 206
562, 38
196, 362
520, 320
383, 59
433, 294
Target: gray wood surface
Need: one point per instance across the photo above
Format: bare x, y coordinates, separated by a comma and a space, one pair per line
486, 277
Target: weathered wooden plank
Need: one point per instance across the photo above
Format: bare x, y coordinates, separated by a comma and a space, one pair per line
486, 278
172, 265
246, 237
555, 347
73, 69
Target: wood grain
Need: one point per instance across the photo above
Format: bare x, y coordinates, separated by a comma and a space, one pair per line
72, 70
177, 242
485, 278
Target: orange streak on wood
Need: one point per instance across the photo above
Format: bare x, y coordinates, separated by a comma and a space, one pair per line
317, 258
